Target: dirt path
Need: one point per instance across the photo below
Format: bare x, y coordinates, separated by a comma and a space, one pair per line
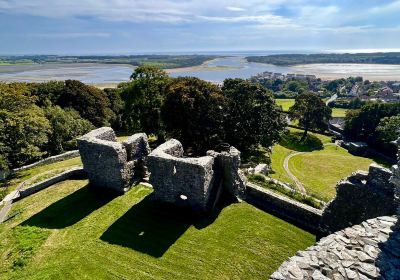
298, 184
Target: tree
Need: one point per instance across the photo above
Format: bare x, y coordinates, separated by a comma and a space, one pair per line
311, 112
23, 126
252, 117
47, 93
193, 112
361, 124
117, 105
389, 129
143, 97
66, 126
91, 103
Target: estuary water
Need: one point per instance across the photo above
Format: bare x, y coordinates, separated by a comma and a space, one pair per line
215, 70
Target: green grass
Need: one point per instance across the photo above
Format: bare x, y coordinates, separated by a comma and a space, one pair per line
21, 176
285, 103
262, 181
70, 232
319, 168
319, 171
339, 112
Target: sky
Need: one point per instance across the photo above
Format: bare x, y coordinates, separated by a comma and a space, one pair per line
165, 26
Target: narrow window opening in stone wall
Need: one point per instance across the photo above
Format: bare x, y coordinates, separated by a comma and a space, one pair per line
183, 197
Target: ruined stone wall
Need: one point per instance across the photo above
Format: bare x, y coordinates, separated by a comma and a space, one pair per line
175, 178
300, 214
360, 197
370, 250
110, 164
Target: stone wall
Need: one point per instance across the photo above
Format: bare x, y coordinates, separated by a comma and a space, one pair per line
370, 250
178, 180
300, 214
362, 196
69, 174
52, 159
198, 183
110, 164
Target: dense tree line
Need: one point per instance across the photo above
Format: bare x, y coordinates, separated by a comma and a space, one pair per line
43, 119
375, 123
293, 59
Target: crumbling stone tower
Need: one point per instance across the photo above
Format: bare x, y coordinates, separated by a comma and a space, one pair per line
109, 164
194, 182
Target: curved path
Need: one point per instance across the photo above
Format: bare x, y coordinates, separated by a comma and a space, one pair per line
297, 182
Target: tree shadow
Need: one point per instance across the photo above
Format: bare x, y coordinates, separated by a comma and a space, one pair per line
71, 209
291, 141
150, 227
388, 260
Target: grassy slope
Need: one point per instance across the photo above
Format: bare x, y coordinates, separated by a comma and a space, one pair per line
319, 171
57, 167
287, 103
67, 232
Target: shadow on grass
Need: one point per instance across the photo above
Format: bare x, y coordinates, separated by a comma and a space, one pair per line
254, 157
70, 209
149, 227
152, 227
292, 141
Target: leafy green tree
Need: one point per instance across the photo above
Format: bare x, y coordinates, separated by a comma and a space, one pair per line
66, 126
296, 86
193, 112
47, 93
143, 97
23, 126
252, 117
389, 129
311, 112
361, 124
117, 105
91, 103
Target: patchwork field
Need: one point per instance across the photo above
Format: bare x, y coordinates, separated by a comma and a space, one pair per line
70, 232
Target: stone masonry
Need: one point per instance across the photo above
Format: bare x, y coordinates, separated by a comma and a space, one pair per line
110, 164
194, 182
370, 250
362, 196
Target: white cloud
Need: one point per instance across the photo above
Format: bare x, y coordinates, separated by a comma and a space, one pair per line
392, 7
235, 9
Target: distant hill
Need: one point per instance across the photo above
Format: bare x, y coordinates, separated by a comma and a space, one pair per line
294, 59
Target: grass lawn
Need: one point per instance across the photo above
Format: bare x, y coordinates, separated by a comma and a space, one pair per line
319, 171
55, 168
320, 168
339, 112
285, 103
70, 232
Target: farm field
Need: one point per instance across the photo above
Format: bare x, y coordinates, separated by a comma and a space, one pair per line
69, 231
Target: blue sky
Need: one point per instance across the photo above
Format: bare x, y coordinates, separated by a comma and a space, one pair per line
138, 26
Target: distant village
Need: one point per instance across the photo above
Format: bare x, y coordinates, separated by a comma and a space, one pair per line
345, 89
